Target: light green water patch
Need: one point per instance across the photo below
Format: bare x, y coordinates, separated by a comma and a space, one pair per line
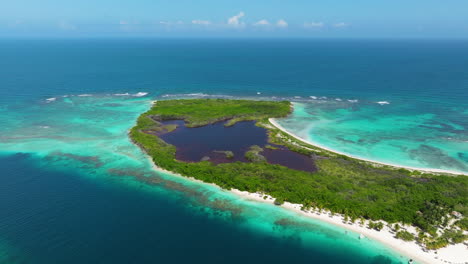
385, 133
276, 221
89, 136
213, 202
9, 254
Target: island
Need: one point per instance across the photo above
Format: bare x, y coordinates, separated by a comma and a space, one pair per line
236, 145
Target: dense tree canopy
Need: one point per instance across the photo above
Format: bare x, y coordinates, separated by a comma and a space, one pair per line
341, 184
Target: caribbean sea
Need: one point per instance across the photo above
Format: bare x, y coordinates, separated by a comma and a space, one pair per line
73, 189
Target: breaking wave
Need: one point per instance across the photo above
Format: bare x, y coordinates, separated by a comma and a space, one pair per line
383, 102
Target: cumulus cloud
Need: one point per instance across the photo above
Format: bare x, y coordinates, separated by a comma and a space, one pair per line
262, 22
168, 23
235, 20
127, 22
314, 25
127, 25
201, 22
282, 23
340, 25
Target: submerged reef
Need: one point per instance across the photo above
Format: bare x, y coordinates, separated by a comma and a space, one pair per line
338, 183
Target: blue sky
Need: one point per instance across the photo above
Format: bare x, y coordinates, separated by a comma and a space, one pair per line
242, 18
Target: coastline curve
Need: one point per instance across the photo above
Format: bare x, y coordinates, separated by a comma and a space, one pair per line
379, 163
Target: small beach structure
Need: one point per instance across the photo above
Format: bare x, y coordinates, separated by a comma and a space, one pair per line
457, 214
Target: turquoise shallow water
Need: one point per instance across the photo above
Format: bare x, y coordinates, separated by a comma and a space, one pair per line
87, 135
389, 133
73, 189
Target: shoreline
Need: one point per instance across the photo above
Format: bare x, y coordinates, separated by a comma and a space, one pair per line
423, 170
452, 254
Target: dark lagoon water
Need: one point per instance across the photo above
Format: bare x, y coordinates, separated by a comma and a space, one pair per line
73, 189
195, 144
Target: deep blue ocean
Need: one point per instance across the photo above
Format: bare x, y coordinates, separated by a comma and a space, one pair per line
73, 189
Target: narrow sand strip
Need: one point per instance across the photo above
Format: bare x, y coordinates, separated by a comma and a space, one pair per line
453, 254
278, 126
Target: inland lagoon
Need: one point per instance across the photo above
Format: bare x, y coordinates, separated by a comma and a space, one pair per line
74, 189
352, 188
76, 170
219, 143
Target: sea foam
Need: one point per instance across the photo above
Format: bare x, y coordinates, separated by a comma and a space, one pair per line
140, 94
383, 103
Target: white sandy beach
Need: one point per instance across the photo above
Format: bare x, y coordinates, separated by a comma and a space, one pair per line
278, 126
453, 254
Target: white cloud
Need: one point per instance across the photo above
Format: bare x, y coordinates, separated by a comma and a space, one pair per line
340, 25
235, 20
166, 23
314, 25
128, 26
170, 25
262, 22
282, 23
64, 25
201, 22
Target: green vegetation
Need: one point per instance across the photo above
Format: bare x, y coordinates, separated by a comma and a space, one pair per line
463, 224
405, 235
170, 128
200, 112
279, 201
159, 128
455, 237
229, 154
448, 237
437, 243
376, 226
342, 184
254, 155
270, 147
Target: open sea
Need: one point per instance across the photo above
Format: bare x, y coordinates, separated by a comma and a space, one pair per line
73, 189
